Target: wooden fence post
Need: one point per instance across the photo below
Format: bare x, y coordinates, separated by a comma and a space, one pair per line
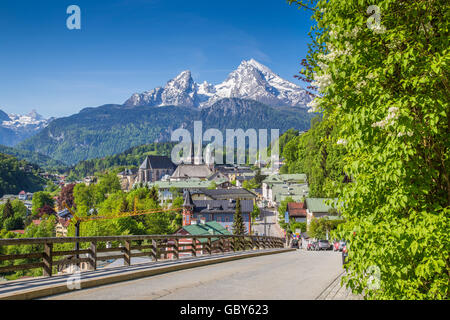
175, 250
194, 247
127, 253
48, 259
209, 246
93, 259
154, 250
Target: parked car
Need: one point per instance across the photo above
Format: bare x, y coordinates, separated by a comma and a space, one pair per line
324, 245
336, 245
342, 244
294, 243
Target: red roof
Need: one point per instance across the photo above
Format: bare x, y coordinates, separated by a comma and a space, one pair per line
296, 209
22, 192
36, 222
65, 223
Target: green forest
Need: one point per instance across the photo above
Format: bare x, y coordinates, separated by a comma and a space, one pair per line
17, 175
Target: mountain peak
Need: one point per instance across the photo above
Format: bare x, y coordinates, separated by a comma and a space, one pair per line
251, 80
252, 62
34, 115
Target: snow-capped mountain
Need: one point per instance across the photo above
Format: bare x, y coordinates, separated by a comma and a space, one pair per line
32, 120
251, 80
19, 127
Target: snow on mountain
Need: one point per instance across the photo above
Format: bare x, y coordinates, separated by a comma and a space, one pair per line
251, 80
32, 120
21, 127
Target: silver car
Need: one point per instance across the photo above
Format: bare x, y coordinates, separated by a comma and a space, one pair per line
324, 245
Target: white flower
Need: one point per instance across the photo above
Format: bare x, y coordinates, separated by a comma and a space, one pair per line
353, 33
378, 28
361, 84
313, 105
342, 141
389, 120
408, 133
322, 81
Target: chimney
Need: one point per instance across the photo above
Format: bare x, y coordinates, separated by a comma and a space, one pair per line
203, 220
194, 221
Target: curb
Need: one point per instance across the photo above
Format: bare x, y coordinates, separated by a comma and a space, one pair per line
132, 275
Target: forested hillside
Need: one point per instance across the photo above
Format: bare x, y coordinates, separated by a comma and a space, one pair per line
17, 175
111, 129
41, 160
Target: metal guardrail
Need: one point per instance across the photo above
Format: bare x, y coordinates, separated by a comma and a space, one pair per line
160, 247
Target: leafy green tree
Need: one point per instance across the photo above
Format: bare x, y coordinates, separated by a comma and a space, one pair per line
40, 199
319, 228
282, 208
154, 194
13, 223
8, 211
256, 212
259, 178
384, 87
19, 208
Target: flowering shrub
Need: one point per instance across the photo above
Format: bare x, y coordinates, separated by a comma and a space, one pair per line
381, 75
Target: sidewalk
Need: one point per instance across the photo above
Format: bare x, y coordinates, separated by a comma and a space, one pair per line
335, 292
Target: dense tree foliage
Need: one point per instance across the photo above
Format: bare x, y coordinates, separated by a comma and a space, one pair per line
41, 199
315, 153
382, 76
17, 175
43, 161
66, 196
320, 228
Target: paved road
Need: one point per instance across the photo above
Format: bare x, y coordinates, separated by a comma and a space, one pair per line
292, 275
272, 228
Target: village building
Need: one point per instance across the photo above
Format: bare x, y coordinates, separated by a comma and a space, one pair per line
278, 187
221, 211
127, 178
201, 228
168, 190
223, 194
152, 169
297, 211
319, 208
61, 227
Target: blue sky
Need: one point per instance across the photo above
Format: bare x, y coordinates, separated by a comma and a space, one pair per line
127, 46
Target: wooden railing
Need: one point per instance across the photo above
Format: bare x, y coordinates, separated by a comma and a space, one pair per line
157, 247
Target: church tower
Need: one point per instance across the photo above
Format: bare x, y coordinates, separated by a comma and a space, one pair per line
188, 209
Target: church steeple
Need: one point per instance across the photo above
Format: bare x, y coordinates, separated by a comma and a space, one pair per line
188, 208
